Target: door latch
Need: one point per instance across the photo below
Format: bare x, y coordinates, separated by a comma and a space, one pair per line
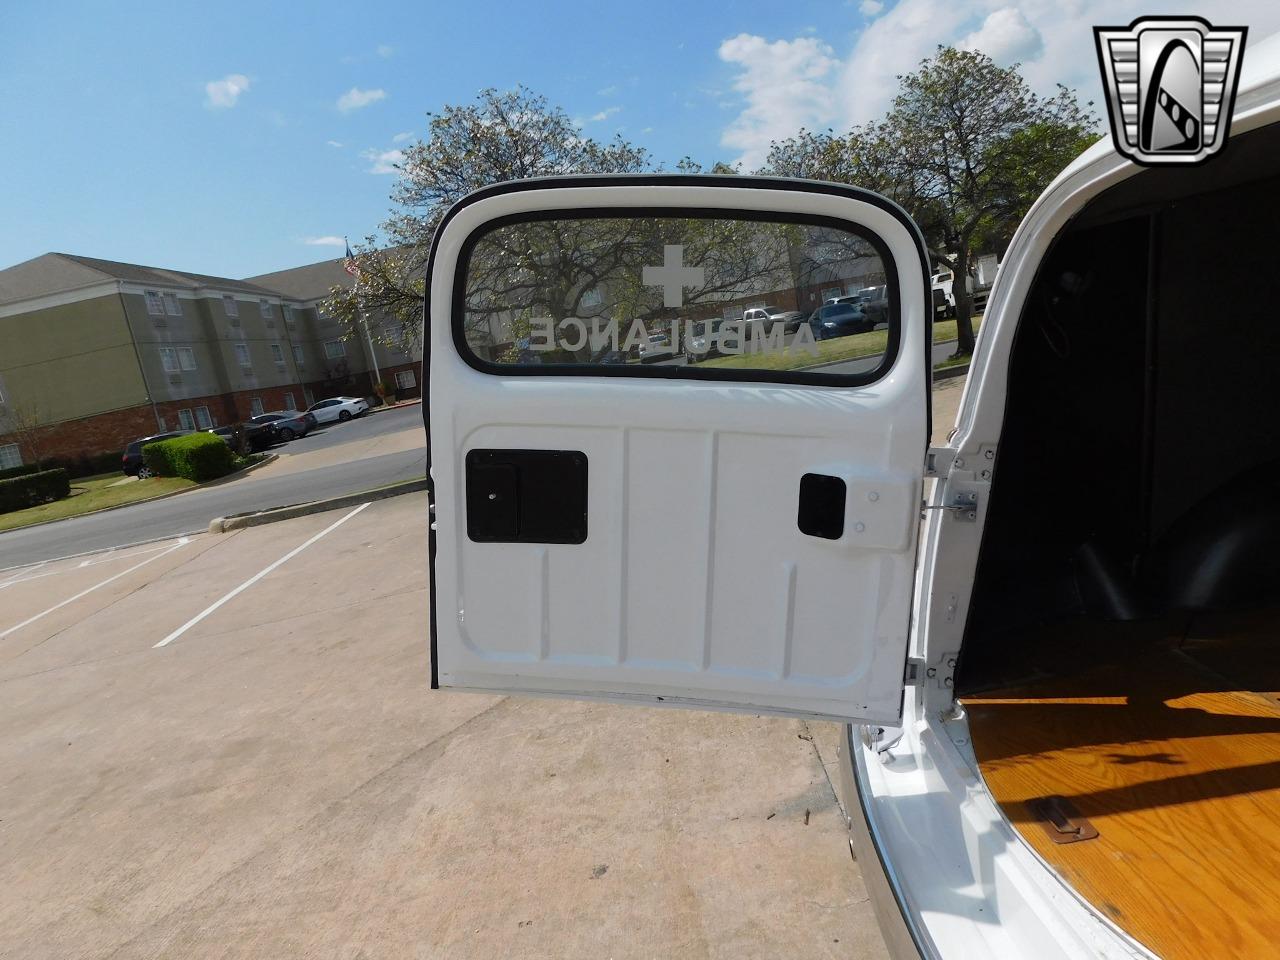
964, 505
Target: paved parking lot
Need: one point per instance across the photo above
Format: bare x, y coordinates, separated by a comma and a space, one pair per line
277, 781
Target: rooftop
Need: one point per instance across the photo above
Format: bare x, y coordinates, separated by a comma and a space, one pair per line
53, 273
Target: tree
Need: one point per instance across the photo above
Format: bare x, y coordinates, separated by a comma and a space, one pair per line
503, 135
965, 148
24, 421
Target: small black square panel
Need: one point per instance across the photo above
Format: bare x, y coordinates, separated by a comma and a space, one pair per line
821, 512
527, 496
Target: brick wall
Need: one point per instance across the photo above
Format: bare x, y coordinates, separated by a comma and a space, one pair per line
110, 432
89, 436
404, 393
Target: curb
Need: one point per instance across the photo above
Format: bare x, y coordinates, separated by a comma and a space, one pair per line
270, 458
959, 370
396, 406
276, 514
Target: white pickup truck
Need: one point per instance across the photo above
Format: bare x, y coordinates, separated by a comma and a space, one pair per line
979, 286
1062, 737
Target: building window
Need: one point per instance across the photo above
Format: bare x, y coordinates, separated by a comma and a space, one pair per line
265, 309
203, 420
299, 357
155, 306
592, 297
277, 354
171, 305
335, 349
255, 407
186, 358
242, 354
185, 420
230, 306
288, 315
10, 456
405, 379
289, 402
169, 357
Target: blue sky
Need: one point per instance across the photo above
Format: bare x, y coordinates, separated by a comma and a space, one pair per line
202, 136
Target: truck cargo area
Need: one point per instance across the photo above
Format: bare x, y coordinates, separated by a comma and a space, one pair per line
1122, 657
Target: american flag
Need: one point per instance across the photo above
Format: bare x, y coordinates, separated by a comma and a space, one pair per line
350, 264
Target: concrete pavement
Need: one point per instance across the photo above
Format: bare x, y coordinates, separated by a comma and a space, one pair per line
278, 781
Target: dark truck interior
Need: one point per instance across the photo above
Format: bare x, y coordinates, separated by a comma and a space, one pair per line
1121, 664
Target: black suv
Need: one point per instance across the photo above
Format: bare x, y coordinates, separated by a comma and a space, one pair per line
132, 464
258, 436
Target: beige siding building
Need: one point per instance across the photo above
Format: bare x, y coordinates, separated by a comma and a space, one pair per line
94, 353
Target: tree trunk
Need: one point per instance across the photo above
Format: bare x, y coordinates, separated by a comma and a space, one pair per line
964, 302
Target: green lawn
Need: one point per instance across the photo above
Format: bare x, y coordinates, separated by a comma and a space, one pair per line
829, 351
93, 493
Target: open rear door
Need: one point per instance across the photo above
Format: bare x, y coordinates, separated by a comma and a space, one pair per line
639, 495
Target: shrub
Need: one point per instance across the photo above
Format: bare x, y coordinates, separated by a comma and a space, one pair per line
18, 493
197, 456
22, 471
86, 465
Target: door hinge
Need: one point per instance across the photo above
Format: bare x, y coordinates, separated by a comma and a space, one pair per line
938, 461
942, 674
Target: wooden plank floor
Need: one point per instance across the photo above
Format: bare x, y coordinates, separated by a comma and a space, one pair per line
1177, 769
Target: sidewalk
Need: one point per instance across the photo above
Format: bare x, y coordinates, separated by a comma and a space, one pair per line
411, 438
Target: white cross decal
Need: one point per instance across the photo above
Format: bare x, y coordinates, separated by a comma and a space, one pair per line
673, 276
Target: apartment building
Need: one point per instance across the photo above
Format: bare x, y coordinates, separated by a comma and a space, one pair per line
333, 365
95, 353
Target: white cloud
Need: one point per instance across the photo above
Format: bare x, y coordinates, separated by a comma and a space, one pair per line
386, 51
223, 94
402, 137
334, 143
604, 114
1006, 37
785, 84
355, 99
383, 161
608, 91
788, 84
329, 241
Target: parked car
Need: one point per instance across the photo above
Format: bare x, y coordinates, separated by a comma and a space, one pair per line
703, 342
260, 436
874, 302
655, 348
132, 463
839, 320
769, 316
338, 408
288, 424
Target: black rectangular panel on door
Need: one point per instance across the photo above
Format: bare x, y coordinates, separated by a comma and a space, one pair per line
526, 496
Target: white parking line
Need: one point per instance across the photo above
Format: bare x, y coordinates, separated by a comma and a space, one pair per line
255, 578
19, 572
58, 606
98, 550
109, 557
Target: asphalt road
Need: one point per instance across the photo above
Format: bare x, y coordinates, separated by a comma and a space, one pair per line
193, 511
368, 427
